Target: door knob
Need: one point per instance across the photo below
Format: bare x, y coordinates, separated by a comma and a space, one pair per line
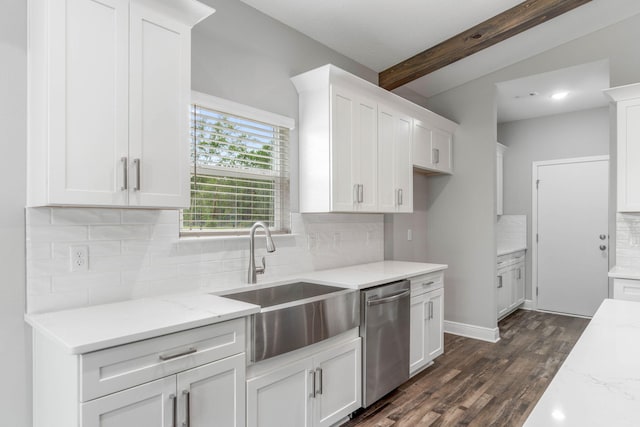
603, 247
603, 236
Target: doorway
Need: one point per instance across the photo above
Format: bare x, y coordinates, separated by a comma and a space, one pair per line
570, 241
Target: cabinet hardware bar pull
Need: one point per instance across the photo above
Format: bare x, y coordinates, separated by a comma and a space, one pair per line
136, 163
430, 309
499, 282
356, 193
361, 193
187, 408
436, 155
165, 357
125, 174
428, 283
174, 404
313, 384
319, 371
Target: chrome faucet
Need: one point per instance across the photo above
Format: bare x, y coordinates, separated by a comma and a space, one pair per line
271, 247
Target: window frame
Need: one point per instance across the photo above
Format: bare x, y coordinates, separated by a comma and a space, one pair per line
233, 108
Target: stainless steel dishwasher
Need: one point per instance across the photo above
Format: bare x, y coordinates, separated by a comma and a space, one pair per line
384, 329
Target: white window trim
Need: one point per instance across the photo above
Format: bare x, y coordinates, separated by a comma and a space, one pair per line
242, 110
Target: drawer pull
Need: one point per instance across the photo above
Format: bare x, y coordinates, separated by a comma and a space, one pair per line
165, 357
428, 283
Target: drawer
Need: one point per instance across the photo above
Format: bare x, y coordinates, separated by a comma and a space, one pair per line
626, 289
117, 368
426, 283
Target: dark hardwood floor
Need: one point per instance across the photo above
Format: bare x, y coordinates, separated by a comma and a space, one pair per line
475, 383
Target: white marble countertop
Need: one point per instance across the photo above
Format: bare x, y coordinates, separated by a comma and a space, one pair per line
599, 382
367, 275
619, 272
506, 250
93, 328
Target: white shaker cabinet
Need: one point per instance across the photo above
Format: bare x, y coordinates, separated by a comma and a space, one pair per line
109, 90
317, 390
510, 282
426, 321
395, 187
627, 106
432, 148
189, 378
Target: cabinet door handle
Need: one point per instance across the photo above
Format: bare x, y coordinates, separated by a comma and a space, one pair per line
136, 164
499, 282
356, 193
319, 372
187, 408
436, 156
125, 173
519, 273
430, 309
313, 384
400, 197
174, 409
361, 193
165, 357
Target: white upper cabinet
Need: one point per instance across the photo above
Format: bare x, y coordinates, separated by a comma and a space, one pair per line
109, 88
627, 100
432, 148
356, 144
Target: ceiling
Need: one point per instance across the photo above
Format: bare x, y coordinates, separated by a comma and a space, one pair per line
381, 33
530, 96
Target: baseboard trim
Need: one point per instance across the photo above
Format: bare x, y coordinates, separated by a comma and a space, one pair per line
472, 331
528, 305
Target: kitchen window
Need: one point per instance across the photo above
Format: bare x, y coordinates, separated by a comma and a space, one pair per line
239, 168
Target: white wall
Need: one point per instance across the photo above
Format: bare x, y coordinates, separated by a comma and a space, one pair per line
461, 215
14, 337
577, 134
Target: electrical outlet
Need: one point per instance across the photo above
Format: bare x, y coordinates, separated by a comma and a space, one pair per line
79, 256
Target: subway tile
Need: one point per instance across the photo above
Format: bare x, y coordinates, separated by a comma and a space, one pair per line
56, 233
149, 216
38, 250
84, 216
169, 232
96, 248
81, 282
56, 301
39, 285
118, 232
37, 216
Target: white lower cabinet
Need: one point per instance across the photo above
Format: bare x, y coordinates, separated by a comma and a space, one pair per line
317, 390
194, 398
193, 378
626, 289
426, 340
510, 282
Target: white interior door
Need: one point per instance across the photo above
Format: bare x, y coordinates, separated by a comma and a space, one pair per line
572, 249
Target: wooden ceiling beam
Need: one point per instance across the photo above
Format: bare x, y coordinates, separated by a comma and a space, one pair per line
494, 30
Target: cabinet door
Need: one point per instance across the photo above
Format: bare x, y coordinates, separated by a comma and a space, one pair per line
87, 108
418, 333
435, 323
149, 405
281, 398
628, 128
159, 109
365, 166
441, 155
499, 178
504, 284
338, 378
518, 284
344, 190
395, 167
213, 394
421, 145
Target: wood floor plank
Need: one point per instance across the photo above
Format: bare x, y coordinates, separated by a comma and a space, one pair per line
482, 384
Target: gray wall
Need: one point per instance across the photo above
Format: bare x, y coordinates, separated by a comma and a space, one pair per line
15, 353
578, 134
255, 69
461, 215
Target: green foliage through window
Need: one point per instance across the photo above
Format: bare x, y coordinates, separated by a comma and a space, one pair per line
239, 173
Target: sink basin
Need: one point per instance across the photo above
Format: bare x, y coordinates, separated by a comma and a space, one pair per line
295, 315
276, 295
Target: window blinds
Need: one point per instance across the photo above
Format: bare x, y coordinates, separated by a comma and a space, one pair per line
240, 173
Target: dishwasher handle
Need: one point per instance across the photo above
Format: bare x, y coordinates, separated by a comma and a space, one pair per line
390, 298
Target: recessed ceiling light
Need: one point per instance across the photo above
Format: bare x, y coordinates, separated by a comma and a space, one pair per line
559, 95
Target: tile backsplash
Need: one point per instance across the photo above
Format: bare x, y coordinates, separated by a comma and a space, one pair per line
628, 240
138, 253
511, 231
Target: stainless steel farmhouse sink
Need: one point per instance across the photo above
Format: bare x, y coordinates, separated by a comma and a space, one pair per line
296, 315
